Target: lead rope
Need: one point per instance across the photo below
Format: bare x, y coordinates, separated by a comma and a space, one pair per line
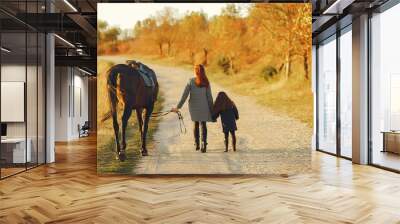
182, 126
160, 113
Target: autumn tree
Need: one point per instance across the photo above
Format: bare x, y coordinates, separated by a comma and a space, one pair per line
304, 37
101, 27
228, 30
111, 34
287, 24
107, 36
261, 35
193, 34
137, 29
167, 28
148, 30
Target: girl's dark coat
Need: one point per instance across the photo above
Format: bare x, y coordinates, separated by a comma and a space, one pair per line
228, 119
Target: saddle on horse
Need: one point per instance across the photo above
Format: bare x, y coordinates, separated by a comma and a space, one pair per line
145, 72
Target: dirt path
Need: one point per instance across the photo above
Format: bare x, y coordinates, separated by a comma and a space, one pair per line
268, 143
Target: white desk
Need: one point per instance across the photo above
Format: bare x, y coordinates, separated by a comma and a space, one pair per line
18, 149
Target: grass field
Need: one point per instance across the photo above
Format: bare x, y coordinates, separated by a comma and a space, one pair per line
106, 160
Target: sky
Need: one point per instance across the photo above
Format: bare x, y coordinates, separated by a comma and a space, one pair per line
125, 15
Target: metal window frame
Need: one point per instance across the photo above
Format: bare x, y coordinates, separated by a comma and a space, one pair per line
387, 5
44, 77
338, 153
318, 95
381, 9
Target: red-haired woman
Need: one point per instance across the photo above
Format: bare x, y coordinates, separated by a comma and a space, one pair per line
200, 104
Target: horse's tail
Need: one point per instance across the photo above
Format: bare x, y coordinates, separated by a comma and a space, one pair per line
112, 94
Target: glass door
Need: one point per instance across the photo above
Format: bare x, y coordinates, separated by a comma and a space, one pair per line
327, 95
346, 92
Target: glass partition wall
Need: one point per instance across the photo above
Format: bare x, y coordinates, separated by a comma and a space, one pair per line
334, 105
385, 89
22, 77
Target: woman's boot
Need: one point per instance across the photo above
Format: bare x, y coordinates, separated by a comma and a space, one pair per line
203, 137
226, 141
204, 147
197, 144
196, 133
234, 141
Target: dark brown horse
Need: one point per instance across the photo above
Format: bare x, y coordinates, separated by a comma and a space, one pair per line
126, 85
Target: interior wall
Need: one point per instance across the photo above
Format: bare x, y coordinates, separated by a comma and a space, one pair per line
61, 105
33, 126
71, 102
80, 109
16, 73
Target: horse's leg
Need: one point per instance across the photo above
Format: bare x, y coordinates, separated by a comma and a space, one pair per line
125, 118
116, 130
149, 110
113, 101
140, 121
112, 93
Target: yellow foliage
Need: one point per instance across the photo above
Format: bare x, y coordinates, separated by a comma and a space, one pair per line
279, 34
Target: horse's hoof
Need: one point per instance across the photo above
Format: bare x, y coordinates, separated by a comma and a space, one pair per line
144, 153
121, 156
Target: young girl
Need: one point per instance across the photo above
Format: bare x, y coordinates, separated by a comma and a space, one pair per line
229, 114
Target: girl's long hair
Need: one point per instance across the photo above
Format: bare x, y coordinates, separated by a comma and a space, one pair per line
223, 102
201, 79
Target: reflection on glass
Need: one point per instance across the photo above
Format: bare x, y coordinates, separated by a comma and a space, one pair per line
13, 85
385, 89
22, 91
327, 96
346, 94
394, 102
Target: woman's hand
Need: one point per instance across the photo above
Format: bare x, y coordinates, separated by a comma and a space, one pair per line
174, 109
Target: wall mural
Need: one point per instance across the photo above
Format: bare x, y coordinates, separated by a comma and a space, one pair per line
194, 88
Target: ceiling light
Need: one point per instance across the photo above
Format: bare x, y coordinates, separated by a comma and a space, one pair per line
70, 5
337, 7
5, 50
84, 71
64, 40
